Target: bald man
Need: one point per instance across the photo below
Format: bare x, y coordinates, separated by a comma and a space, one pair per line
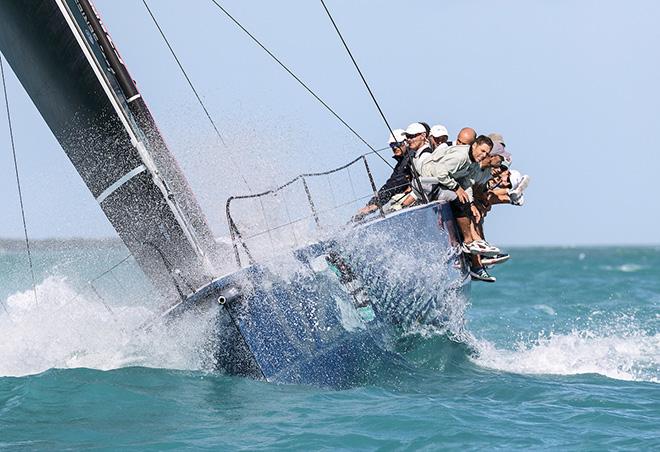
467, 135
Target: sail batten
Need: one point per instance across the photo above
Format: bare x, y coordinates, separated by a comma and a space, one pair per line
121, 181
68, 65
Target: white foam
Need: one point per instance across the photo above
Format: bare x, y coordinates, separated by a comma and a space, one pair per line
624, 268
545, 308
65, 331
633, 357
629, 268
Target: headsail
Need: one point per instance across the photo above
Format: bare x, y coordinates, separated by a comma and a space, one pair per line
68, 65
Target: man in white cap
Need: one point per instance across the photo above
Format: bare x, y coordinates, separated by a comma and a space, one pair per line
418, 141
399, 181
439, 137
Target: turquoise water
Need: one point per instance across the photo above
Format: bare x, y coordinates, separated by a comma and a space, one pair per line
568, 358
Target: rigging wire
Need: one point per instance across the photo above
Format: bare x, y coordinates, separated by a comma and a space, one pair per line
18, 182
102, 274
199, 99
102, 300
297, 79
185, 74
357, 67
373, 97
93, 280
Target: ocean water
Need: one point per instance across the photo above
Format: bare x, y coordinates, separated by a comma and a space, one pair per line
564, 355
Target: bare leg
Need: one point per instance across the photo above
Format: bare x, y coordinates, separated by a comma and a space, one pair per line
476, 231
465, 225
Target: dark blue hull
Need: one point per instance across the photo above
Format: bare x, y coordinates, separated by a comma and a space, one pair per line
331, 313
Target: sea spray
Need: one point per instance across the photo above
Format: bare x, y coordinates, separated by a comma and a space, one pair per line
67, 329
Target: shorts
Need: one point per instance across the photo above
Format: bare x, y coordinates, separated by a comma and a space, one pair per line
460, 209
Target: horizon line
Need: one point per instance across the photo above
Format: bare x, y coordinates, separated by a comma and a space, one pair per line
531, 245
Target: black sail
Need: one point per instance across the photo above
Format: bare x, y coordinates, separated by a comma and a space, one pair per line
68, 65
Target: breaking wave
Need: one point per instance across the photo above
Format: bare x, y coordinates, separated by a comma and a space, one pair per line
69, 330
632, 356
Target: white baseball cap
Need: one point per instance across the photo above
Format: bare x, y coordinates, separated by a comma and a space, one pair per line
415, 128
439, 130
398, 137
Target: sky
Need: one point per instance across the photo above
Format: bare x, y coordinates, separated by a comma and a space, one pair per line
572, 86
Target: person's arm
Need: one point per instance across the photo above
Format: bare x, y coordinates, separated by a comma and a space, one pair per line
461, 195
445, 170
498, 196
410, 199
394, 184
367, 209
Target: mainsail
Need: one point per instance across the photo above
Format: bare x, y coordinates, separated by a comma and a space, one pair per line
68, 65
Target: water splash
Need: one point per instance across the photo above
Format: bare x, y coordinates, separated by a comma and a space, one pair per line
631, 356
68, 330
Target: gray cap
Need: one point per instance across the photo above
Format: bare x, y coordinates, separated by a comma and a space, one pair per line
498, 149
497, 138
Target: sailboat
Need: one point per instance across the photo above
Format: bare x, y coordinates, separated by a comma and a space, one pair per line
333, 318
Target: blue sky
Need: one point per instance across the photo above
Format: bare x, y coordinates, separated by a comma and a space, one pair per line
572, 85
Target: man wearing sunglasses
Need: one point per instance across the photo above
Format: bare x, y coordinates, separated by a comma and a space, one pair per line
399, 181
418, 143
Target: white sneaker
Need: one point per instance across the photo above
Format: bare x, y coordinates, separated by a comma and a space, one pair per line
480, 274
482, 248
490, 261
522, 186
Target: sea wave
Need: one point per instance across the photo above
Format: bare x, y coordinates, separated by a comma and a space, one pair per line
633, 356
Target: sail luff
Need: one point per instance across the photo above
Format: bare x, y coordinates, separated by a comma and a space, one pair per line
114, 146
133, 134
184, 202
